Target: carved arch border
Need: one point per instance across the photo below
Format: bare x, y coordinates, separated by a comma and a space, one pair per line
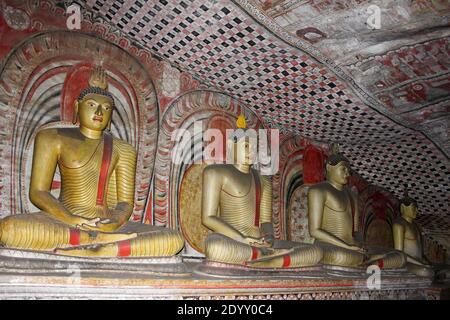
289, 179
182, 113
376, 203
50, 55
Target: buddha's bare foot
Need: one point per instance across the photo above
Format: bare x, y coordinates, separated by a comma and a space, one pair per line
98, 251
104, 238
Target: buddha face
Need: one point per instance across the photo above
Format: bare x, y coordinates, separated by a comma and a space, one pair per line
338, 173
94, 111
245, 151
409, 211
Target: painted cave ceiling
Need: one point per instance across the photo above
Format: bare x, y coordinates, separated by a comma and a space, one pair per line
404, 65
315, 69
382, 94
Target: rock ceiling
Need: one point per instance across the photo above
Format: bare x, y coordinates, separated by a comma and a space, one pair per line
404, 64
382, 94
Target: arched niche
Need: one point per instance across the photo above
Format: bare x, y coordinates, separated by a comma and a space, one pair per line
297, 212
41, 78
378, 212
177, 188
301, 164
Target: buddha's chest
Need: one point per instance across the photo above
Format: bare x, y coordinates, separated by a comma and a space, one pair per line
87, 155
338, 201
337, 216
411, 232
238, 185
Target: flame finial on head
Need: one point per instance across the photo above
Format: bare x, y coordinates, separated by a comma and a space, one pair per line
407, 200
241, 123
98, 78
241, 128
334, 149
98, 84
405, 192
335, 156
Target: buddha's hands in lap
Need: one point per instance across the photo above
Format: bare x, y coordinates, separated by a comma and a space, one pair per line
105, 225
257, 242
113, 221
355, 245
81, 223
357, 249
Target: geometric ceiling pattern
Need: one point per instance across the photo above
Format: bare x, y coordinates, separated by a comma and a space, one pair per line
292, 85
404, 63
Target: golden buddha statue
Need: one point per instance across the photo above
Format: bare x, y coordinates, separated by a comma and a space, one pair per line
407, 238
90, 218
333, 224
237, 207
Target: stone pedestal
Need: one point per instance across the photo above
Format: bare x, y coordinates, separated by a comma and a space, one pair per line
28, 275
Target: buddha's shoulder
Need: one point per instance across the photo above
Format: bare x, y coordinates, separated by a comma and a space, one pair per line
399, 221
265, 179
218, 169
320, 188
123, 146
54, 134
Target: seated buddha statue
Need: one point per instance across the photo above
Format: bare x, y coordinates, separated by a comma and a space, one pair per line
237, 207
407, 238
333, 219
90, 217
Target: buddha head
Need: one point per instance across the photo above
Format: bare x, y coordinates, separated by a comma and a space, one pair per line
95, 104
243, 144
337, 167
408, 207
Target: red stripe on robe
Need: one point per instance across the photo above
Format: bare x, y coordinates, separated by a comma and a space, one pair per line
254, 253
106, 161
258, 198
124, 248
286, 261
74, 239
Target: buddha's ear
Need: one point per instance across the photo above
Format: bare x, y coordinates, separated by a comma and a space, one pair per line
75, 112
402, 208
109, 123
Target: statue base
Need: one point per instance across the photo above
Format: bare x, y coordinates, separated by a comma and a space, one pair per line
31, 275
33, 262
224, 270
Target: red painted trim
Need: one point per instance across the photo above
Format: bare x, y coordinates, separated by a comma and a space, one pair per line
381, 263
352, 204
124, 248
286, 261
254, 253
258, 198
262, 285
106, 160
74, 237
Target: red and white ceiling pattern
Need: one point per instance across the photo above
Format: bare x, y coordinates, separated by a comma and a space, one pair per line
404, 65
233, 46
